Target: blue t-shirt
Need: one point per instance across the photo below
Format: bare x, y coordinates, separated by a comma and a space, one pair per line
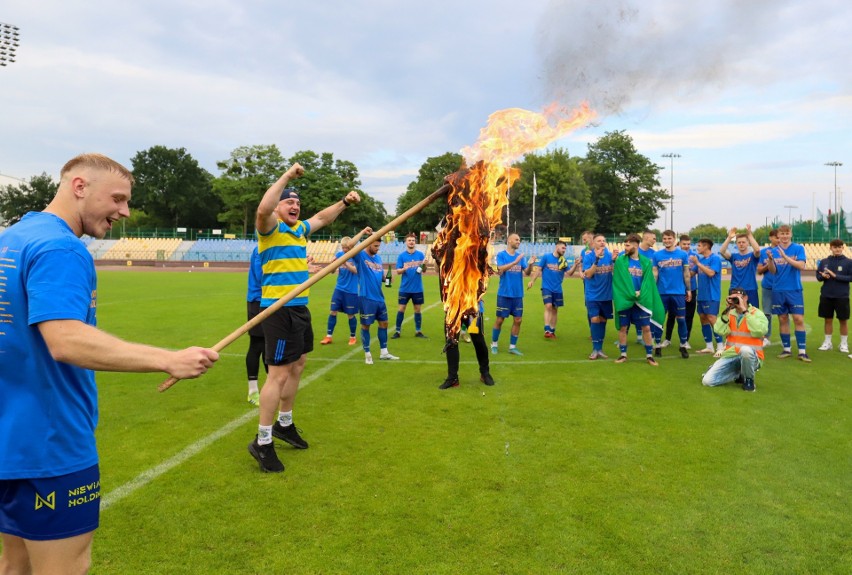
768, 280
255, 276
693, 280
412, 282
370, 275
347, 282
670, 266
511, 280
634, 268
553, 270
710, 288
649, 253
787, 277
48, 409
744, 270
599, 286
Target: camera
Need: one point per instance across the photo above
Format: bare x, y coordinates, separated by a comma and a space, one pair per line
733, 300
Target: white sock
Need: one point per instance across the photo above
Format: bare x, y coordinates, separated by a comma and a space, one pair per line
843, 340
264, 434
828, 339
384, 351
285, 418
252, 386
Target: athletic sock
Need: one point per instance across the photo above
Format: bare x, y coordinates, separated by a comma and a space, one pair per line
547, 329
285, 418
513, 340
365, 339
332, 321
785, 341
264, 434
495, 337
649, 350
383, 337
707, 332
418, 321
252, 385
828, 339
801, 341
353, 326
400, 315
622, 348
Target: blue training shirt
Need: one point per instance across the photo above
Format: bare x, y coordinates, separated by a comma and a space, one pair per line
511, 280
787, 277
255, 277
370, 275
670, 265
599, 286
768, 280
412, 282
744, 270
48, 409
347, 282
710, 288
553, 270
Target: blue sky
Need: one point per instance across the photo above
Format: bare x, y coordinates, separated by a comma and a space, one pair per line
755, 96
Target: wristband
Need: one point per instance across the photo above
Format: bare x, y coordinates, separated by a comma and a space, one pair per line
345, 203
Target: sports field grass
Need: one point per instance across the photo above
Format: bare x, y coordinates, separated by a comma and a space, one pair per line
565, 466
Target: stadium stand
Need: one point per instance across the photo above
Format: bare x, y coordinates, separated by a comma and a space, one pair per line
220, 250
158, 249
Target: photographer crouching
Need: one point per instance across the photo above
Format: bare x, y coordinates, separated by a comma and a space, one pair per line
744, 325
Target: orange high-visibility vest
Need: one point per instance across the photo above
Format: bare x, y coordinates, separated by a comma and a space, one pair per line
740, 336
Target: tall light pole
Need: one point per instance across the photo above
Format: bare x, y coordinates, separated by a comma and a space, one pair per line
790, 214
671, 157
836, 213
9, 39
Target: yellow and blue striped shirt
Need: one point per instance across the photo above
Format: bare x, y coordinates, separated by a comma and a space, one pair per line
283, 256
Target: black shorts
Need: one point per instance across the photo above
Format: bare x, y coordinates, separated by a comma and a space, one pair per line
288, 334
829, 306
252, 309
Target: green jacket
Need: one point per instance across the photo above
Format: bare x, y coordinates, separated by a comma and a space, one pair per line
624, 296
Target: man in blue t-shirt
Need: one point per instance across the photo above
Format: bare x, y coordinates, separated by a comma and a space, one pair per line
345, 296
49, 475
786, 262
707, 267
744, 262
410, 264
551, 268
371, 299
255, 350
597, 271
766, 284
671, 269
511, 267
685, 244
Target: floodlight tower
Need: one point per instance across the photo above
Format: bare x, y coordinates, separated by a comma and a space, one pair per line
671, 156
836, 213
9, 39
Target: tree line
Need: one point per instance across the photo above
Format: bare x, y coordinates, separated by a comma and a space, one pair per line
612, 188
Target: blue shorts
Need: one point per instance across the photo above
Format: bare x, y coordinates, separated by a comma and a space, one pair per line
345, 302
416, 298
510, 306
599, 309
674, 303
786, 302
372, 311
553, 298
707, 307
635, 315
51, 507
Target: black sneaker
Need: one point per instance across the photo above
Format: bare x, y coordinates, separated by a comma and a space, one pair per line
658, 351
420, 334
289, 434
748, 384
684, 353
265, 457
395, 335
739, 379
486, 379
448, 383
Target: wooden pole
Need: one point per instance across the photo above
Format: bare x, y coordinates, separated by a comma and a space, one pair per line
376, 236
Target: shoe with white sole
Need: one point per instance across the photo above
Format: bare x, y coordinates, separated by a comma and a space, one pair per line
666, 343
826, 346
368, 358
844, 348
387, 356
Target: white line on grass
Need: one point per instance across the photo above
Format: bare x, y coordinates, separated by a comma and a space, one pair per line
146, 477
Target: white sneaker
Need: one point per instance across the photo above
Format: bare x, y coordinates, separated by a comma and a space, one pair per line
687, 346
766, 342
844, 348
368, 358
666, 343
387, 356
826, 346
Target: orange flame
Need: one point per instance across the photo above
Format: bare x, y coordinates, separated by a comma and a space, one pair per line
478, 196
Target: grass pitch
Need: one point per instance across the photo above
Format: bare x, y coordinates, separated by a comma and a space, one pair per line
565, 466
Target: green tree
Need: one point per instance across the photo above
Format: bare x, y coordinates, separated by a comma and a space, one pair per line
172, 188
430, 177
624, 184
245, 176
715, 233
32, 196
563, 197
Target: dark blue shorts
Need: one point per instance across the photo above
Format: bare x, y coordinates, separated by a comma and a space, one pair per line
510, 306
51, 507
787, 302
674, 303
708, 307
553, 298
345, 302
405, 296
635, 315
372, 311
599, 309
